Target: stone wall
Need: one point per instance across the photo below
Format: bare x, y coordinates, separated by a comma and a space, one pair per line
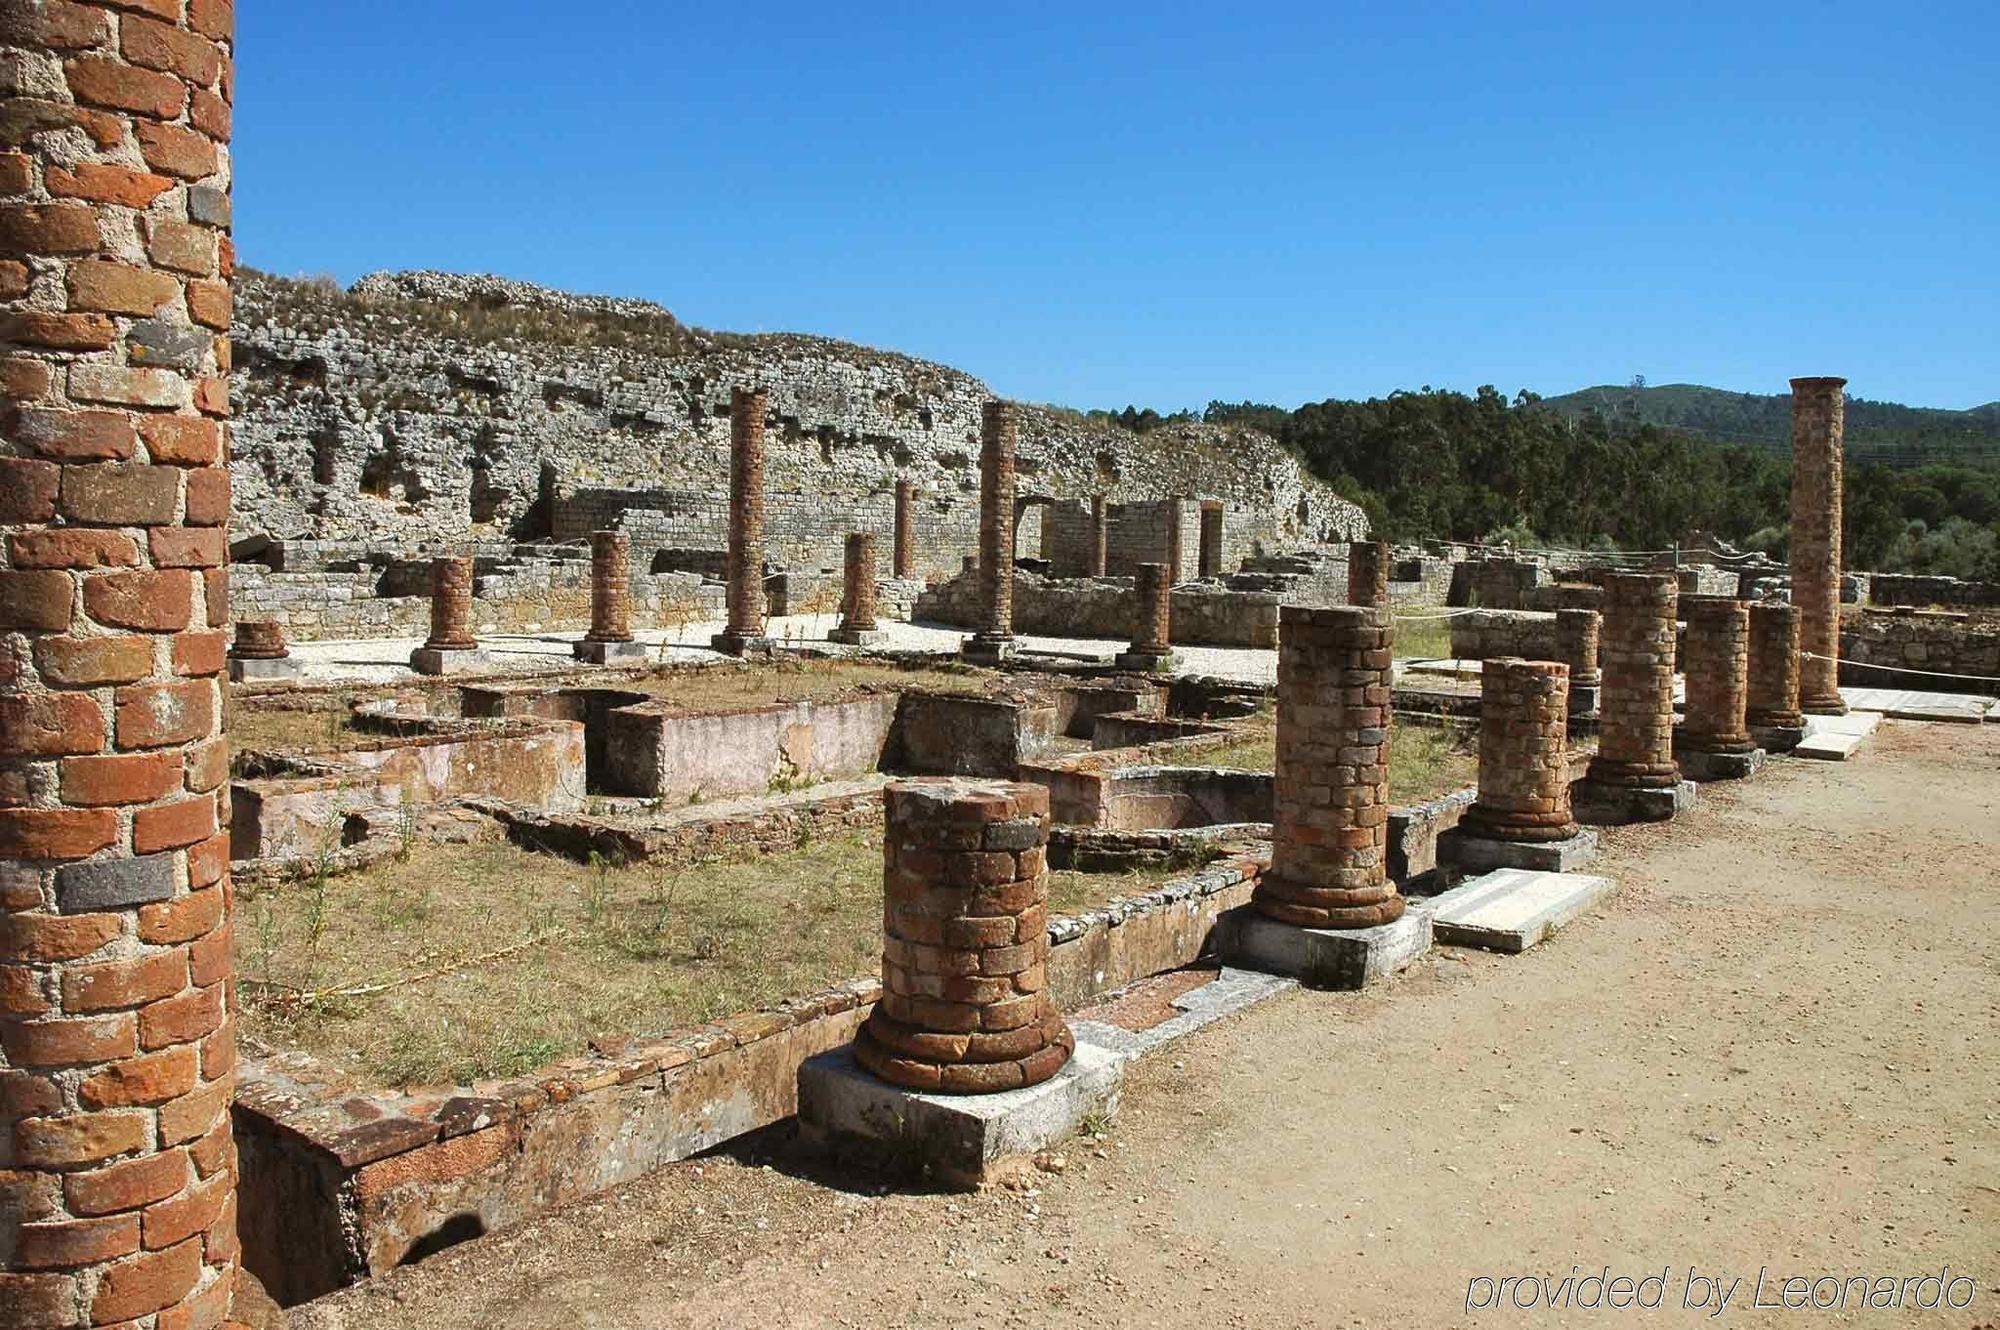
1204, 613
1488, 634
1915, 589
1948, 643
420, 409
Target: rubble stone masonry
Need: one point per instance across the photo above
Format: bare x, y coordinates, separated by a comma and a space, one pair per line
1523, 752
965, 1006
1330, 838
1636, 710
117, 1053
1819, 408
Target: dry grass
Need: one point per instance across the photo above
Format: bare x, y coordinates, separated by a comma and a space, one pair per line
1423, 638
623, 950
322, 728
1425, 761
731, 687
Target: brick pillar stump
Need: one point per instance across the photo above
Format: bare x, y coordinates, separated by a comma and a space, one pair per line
1523, 752
1819, 408
1634, 775
610, 636
1577, 634
1152, 617
1208, 556
1176, 541
965, 1007
745, 631
259, 652
118, 1173
1713, 741
1329, 842
1771, 709
451, 646
1368, 564
857, 592
904, 556
998, 433
1100, 535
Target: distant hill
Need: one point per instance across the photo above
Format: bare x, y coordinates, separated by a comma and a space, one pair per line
1885, 432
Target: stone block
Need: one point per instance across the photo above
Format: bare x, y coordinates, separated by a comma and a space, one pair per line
610, 653
1479, 854
430, 660
110, 884
738, 644
1777, 738
1511, 909
1144, 661
987, 650
964, 1141
1720, 766
1614, 805
258, 671
1324, 957
857, 637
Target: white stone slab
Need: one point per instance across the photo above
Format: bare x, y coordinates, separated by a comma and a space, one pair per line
1909, 704
1829, 746
1512, 909
1860, 724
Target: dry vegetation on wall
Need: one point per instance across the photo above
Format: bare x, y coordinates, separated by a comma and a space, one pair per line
461, 962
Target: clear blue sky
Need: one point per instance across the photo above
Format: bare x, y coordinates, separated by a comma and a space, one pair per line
1107, 202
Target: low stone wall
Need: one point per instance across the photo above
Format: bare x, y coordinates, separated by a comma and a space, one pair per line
1916, 589
957, 734
1083, 786
1204, 613
342, 1181
657, 750
1938, 645
1484, 634
770, 824
1148, 798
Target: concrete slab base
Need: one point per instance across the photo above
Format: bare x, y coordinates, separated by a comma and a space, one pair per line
1512, 909
964, 1141
1720, 766
1324, 957
857, 637
609, 653
982, 650
428, 660
1835, 738
1777, 738
1229, 992
1479, 854
1614, 805
737, 644
1143, 661
1912, 704
259, 671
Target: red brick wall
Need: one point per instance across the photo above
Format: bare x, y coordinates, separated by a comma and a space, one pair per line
117, 1169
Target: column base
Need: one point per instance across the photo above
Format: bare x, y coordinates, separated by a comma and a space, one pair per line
607, 653
985, 649
1613, 805
1346, 958
1145, 662
741, 644
1835, 705
857, 637
1705, 767
963, 1141
436, 660
1583, 699
253, 670
1480, 854
1778, 738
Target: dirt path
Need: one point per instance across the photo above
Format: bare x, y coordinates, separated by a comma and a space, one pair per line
1775, 1050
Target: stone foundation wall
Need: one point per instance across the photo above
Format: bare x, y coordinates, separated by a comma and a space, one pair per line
1950, 644
1916, 590
1204, 613
1486, 634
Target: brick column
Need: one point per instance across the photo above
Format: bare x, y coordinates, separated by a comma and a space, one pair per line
258, 639
1523, 752
1329, 844
746, 525
1100, 533
1152, 620
1208, 557
1368, 573
1716, 663
998, 428
965, 1006
1773, 699
1818, 426
451, 606
857, 592
1576, 642
1176, 545
1636, 651
610, 587
904, 555
117, 1044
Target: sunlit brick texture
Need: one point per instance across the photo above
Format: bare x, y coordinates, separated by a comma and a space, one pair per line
1635, 743
1523, 752
904, 554
451, 606
1330, 839
117, 1170
999, 430
1716, 663
1577, 633
1208, 555
1774, 667
610, 587
965, 1006
1368, 573
1819, 410
1100, 534
857, 598
1152, 610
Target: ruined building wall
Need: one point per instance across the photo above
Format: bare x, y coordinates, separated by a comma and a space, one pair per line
422, 409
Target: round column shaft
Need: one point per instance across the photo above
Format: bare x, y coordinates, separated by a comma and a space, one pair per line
451, 606
857, 600
747, 408
1636, 656
1577, 634
1717, 668
1368, 573
1818, 429
1100, 531
1523, 752
904, 555
610, 587
1152, 610
1773, 698
259, 639
1208, 557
